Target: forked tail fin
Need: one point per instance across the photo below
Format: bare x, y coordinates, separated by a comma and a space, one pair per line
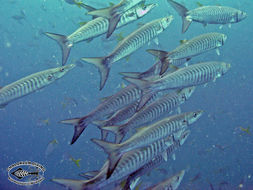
182, 11
104, 69
79, 123
63, 43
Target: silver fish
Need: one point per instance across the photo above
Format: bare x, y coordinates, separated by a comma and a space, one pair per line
192, 75
112, 104
154, 163
208, 15
151, 113
129, 45
96, 27
130, 162
31, 84
171, 183
148, 135
114, 13
193, 47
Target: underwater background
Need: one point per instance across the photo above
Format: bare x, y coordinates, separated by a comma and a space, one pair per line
217, 152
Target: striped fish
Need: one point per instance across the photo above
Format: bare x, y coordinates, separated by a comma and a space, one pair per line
148, 135
110, 105
156, 162
130, 162
171, 183
128, 45
114, 13
192, 75
193, 47
208, 15
95, 28
151, 113
31, 83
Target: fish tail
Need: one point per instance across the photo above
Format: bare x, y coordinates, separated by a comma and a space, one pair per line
119, 132
182, 11
110, 15
73, 184
147, 92
102, 65
113, 153
63, 43
100, 124
162, 55
79, 123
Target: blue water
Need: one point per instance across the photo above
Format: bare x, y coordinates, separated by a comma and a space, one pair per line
25, 134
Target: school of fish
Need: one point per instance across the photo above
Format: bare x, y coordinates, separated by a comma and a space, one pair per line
145, 116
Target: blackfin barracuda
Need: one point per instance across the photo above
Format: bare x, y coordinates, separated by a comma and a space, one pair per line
114, 13
192, 75
172, 183
158, 109
148, 135
129, 163
95, 28
208, 15
129, 45
31, 83
195, 46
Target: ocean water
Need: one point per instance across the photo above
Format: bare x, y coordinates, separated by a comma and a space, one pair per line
217, 151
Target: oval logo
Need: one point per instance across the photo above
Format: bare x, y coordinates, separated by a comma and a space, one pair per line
26, 173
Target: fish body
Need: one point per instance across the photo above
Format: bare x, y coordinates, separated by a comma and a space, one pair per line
129, 163
153, 112
192, 47
171, 183
96, 27
112, 104
192, 75
128, 45
148, 135
208, 15
31, 83
114, 13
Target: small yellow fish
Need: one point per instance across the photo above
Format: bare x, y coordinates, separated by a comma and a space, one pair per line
76, 161
246, 130
183, 41
199, 4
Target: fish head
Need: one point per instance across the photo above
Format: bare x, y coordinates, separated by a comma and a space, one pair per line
240, 15
59, 72
144, 9
176, 179
191, 117
165, 22
186, 93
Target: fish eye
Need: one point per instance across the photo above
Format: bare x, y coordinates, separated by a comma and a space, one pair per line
62, 69
195, 115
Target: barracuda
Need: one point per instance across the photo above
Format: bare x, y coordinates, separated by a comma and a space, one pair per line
113, 14
128, 45
171, 183
130, 162
112, 104
192, 75
193, 47
31, 84
148, 135
153, 112
95, 28
208, 15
